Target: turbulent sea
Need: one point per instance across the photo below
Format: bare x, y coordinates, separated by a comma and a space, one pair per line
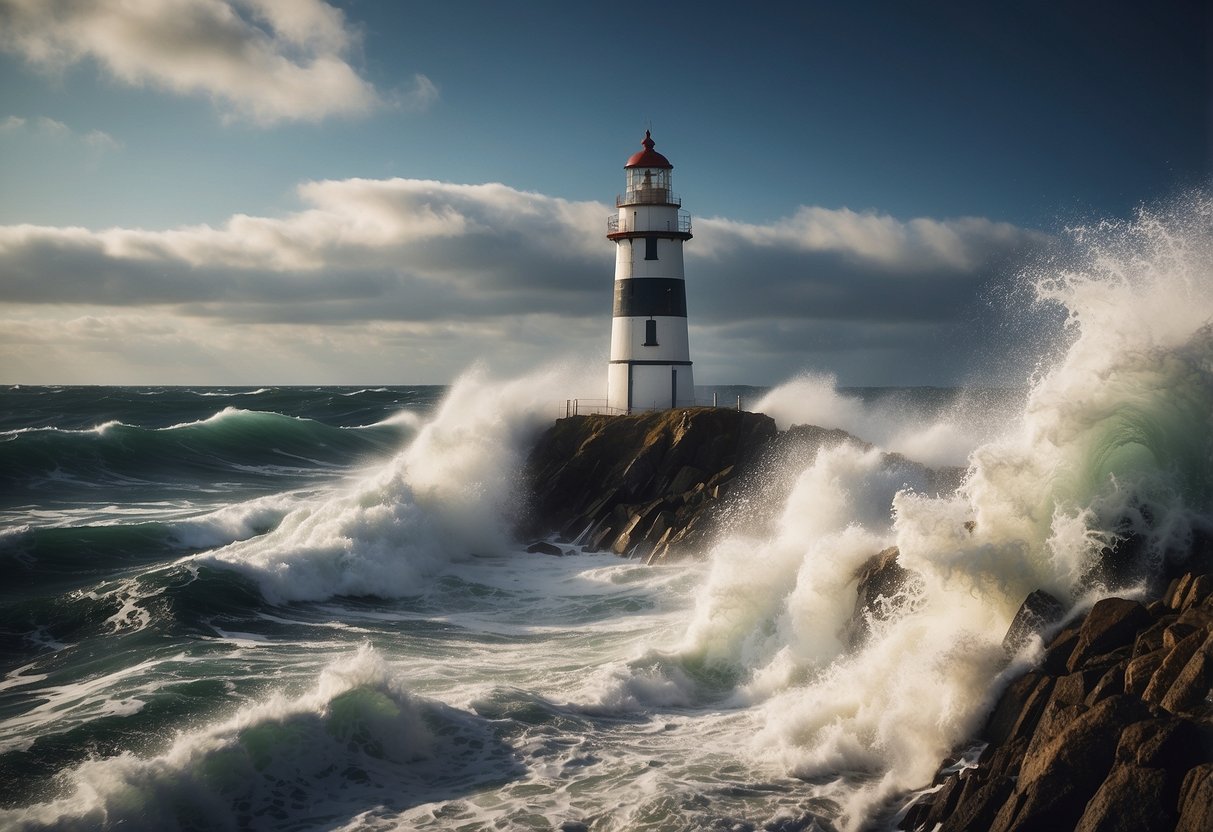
302, 608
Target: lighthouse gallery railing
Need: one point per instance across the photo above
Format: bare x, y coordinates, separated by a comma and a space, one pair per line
647, 196
615, 226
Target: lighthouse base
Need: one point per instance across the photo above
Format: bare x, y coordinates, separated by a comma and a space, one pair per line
639, 386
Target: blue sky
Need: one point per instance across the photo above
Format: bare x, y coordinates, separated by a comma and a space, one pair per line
294, 191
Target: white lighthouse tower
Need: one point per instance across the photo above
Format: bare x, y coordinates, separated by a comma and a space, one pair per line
650, 365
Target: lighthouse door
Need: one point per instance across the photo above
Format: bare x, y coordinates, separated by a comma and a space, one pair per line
673, 387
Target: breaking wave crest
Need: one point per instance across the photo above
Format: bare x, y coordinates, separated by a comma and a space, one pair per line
451, 494
357, 739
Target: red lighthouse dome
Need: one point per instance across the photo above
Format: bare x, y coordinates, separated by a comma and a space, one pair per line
648, 158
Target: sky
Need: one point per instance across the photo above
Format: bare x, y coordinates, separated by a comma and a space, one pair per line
375, 192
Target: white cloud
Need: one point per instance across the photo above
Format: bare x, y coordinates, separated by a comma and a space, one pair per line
100, 140
49, 128
266, 60
957, 245
480, 237
437, 274
420, 96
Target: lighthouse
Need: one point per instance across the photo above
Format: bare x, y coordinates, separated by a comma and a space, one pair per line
650, 367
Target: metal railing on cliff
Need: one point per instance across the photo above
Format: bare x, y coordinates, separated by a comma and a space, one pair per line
587, 407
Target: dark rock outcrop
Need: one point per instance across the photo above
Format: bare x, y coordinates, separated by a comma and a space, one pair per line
542, 547
1038, 611
1114, 731
884, 588
643, 486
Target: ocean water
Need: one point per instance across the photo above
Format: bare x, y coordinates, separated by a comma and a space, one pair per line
301, 608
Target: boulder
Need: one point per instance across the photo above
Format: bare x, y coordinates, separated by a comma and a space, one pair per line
1131, 799
1056, 783
542, 547
1038, 611
1169, 670
1059, 649
1198, 592
1018, 709
1151, 638
1140, 670
1190, 690
1196, 800
978, 808
1111, 623
1166, 742
883, 588
1111, 683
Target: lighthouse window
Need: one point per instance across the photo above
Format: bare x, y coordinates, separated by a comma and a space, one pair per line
650, 334
650, 248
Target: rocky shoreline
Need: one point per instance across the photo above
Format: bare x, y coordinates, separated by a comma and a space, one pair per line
1113, 730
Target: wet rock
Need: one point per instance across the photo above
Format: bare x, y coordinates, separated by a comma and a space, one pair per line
1056, 783
1171, 667
1019, 708
1111, 623
943, 803
542, 547
587, 477
1131, 799
1196, 800
1190, 690
602, 481
1059, 650
883, 588
977, 810
1074, 746
1038, 611
1140, 670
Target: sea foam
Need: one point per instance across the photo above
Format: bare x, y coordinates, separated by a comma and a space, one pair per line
450, 494
357, 738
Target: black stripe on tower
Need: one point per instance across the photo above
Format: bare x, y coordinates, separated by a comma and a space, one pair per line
642, 297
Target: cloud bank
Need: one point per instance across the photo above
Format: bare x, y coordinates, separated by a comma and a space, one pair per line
264, 60
415, 272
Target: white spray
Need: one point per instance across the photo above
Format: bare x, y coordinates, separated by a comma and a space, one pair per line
450, 494
1117, 435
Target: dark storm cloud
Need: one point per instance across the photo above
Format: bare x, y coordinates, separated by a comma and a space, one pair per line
845, 265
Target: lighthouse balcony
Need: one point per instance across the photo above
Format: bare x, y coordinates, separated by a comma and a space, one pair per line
647, 196
617, 227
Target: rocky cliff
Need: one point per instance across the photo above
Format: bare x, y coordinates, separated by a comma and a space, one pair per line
646, 486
